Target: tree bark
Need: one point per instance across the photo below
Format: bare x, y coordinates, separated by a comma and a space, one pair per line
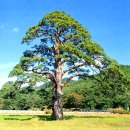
57, 109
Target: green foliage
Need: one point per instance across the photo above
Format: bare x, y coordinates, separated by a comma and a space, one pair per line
60, 41
82, 94
47, 110
8, 91
118, 110
1, 103
59, 46
73, 100
17, 71
31, 79
116, 84
126, 69
112, 91
25, 98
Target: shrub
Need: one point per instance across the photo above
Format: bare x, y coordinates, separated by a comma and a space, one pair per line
47, 110
118, 110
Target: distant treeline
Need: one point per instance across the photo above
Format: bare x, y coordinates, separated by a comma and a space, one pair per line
81, 94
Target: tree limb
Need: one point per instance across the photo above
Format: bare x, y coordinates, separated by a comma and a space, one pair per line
80, 75
73, 67
51, 76
63, 61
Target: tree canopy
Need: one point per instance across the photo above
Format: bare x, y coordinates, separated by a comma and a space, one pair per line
59, 47
59, 38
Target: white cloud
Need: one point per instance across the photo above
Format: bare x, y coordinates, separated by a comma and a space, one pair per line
16, 29
4, 72
4, 80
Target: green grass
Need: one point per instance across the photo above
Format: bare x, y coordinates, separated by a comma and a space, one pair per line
75, 121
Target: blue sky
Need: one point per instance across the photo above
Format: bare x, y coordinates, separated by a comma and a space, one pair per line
108, 22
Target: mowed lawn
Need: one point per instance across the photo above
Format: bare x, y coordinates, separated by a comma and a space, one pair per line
76, 121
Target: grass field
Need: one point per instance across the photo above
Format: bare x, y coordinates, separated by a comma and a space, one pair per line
89, 121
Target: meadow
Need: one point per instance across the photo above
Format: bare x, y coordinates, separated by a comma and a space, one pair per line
73, 121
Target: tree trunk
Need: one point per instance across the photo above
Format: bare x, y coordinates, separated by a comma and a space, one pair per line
57, 109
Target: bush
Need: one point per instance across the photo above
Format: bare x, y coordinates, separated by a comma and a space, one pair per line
118, 110
47, 110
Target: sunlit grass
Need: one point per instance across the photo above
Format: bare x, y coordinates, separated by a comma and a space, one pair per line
89, 121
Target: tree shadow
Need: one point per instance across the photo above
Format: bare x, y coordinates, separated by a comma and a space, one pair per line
48, 117
44, 117
27, 117
68, 117
18, 118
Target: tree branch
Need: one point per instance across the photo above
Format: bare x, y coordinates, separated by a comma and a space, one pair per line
63, 61
51, 76
73, 67
80, 75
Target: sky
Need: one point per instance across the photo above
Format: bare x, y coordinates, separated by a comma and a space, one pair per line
108, 22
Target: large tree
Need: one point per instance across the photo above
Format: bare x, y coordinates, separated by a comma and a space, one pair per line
60, 47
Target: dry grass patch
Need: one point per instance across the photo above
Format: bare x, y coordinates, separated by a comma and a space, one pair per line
73, 121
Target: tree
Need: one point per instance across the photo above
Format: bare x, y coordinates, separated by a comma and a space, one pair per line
126, 69
73, 100
59, 46
7, 94
112, 92
115, 83
25, 98
8, 91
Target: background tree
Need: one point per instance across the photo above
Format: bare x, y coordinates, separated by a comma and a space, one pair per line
59, 46
126, 70
116, 85
111, 93
85, 94
7, 96
24, 98
73, 100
